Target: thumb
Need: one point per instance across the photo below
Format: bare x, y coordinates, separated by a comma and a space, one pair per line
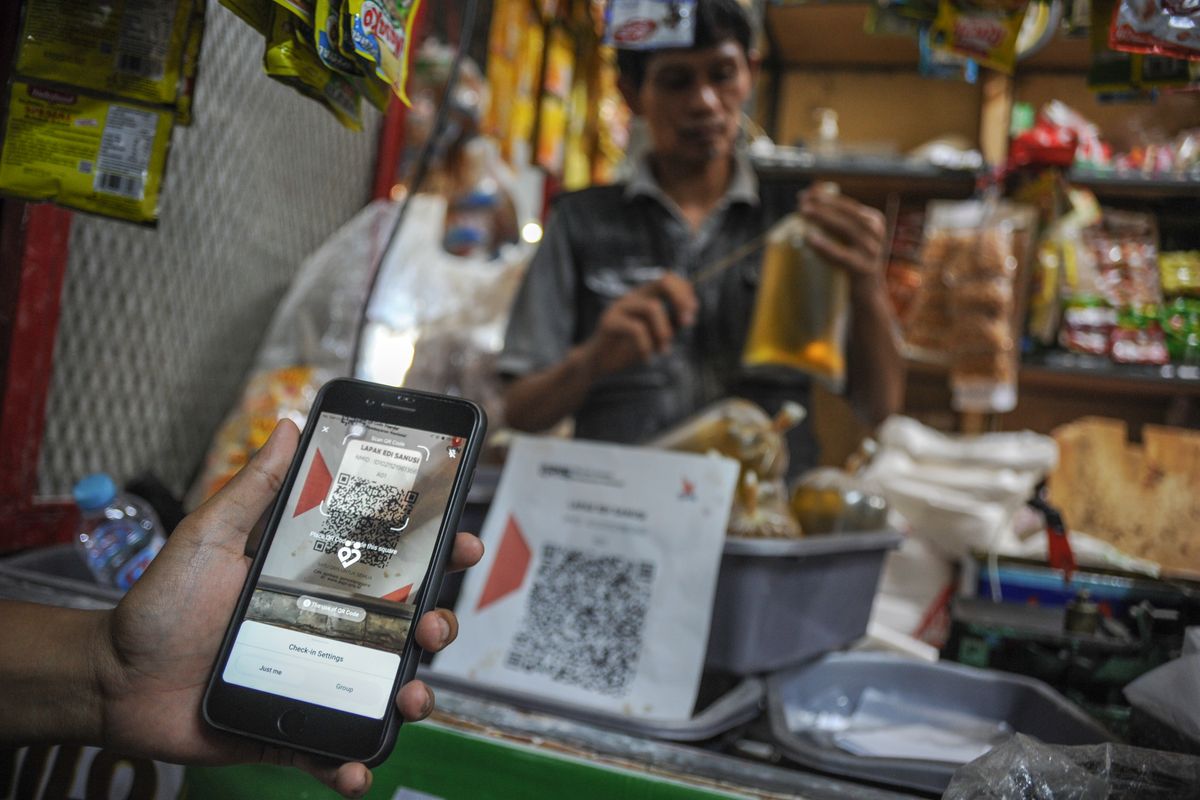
228, 516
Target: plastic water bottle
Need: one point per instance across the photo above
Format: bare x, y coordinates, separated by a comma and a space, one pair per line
119, 534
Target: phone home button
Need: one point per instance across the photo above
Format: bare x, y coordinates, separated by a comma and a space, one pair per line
291, 723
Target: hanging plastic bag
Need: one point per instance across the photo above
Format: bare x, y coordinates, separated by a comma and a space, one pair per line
436, 321
310, 340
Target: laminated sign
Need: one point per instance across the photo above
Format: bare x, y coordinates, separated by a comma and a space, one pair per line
597, 586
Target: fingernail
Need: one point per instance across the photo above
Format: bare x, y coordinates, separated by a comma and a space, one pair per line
443, 629
427, 708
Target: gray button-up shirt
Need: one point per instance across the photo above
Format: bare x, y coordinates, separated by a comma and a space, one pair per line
604, 241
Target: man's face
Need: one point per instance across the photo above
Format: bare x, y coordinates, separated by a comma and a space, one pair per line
692, 100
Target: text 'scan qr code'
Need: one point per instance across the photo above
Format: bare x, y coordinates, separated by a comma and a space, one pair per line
365, 512
584, 619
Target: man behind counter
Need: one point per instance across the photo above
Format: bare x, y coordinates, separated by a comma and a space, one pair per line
607, 325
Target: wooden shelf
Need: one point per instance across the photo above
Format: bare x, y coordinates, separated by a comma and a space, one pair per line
1114, 184
877, 175
831, 35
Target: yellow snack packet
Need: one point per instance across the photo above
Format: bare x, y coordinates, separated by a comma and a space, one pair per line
85, 152
191, 64
129, 48
292, 60
985, 31
382, 33
255, 13
326, 35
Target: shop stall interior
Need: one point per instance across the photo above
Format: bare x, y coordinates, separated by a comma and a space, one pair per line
209, 209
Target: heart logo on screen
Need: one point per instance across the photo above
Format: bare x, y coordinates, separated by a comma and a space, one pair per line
349, 556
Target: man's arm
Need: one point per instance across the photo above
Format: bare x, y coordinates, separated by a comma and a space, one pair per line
851, 237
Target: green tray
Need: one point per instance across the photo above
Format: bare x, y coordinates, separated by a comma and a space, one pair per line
434, 762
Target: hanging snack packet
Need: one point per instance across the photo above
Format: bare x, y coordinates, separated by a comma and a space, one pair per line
325, 28
302, 9
382, 32
1162, 27
984, 31
99, 155
290, 59
976, 247
650, 24
134, 53
191, 65
255, 13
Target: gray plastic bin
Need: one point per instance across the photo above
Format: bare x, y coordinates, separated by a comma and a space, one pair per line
835, 685
783, 601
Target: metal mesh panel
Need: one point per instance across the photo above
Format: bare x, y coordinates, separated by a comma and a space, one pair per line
160, 326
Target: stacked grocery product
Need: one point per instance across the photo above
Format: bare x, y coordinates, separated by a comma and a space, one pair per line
95, 96
965, 310
335, 52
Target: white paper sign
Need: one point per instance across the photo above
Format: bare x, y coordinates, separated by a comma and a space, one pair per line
597, 587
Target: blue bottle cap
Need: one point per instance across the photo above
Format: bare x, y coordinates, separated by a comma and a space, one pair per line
94, 491
464, 237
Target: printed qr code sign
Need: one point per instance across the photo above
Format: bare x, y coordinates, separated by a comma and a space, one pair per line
584, 619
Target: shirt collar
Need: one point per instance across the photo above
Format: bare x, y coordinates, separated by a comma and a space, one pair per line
743, 185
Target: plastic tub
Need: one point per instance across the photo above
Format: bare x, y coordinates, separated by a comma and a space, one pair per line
740, 704
783, 601
806, 706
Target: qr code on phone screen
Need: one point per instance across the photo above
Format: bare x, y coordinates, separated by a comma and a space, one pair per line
363, 511
584, 619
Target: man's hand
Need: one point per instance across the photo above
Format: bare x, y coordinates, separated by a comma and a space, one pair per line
641, 324
850, 235
154, 652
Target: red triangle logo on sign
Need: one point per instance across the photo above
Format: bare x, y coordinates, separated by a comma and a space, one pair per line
316, 486
510, 566
400, 595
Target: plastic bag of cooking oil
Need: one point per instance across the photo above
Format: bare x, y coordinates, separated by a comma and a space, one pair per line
132, 49
802, 309
382, 33
93, 154
291, 59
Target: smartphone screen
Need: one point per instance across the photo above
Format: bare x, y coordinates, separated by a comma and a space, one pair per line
335, 601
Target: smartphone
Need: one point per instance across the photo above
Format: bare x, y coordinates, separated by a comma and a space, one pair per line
352, 555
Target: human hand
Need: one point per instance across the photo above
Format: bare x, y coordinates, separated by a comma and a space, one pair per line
848, 235
155, 651
640, 324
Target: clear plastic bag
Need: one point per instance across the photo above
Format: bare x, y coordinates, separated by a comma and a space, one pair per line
310, 341
1025, 768
967, 310
436, 321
